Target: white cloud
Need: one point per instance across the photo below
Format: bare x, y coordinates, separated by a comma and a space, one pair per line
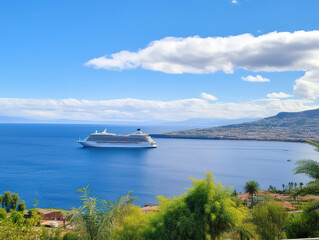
308, 85
279, 95
256, 78
234, 1
145, 110
272, 52
207, 96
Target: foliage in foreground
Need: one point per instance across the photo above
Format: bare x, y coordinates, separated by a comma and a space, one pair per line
96, 218
17, 227
206, 211
270, 219
311, 169
131, 224
304, 225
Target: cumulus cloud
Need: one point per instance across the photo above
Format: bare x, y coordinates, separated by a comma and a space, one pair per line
308, 85
256, 78
145, 110
279, 95
272, 52
234, 1
207, 96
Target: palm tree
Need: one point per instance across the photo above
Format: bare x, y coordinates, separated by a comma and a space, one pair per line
311, 169
283, 187
308, 167
295, 185
251, 187
301, 184
95, 219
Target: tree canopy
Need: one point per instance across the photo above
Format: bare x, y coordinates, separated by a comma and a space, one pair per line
206, 211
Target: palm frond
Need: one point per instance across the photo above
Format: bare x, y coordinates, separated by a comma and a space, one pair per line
96, 217
308, 167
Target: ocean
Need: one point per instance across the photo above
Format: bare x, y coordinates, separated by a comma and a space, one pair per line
44, 162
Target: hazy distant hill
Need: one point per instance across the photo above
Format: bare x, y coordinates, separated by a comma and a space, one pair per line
285, 126
190, 123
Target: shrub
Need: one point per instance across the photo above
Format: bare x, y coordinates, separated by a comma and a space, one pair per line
21, 206
270, 219
131, 225
70, 236
3, 213
206, 211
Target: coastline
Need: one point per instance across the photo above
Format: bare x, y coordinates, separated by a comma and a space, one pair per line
225, 138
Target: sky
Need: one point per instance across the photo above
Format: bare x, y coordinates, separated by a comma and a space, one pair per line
157, 60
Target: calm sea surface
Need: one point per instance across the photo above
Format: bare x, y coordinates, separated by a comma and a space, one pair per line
44, 162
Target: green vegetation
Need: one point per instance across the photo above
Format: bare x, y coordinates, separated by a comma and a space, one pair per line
9, 202
251, 187
70, 236
3, 213
96, 218
311, 169
21, 206
131, 224
18, 227
308, 167
207, 211
304, 225
270, 219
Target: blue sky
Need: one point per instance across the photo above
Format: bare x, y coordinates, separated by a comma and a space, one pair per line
44, 46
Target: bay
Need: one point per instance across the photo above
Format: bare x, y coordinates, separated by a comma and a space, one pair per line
44, 162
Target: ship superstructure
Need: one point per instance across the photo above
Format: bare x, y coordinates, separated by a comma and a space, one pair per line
104, 139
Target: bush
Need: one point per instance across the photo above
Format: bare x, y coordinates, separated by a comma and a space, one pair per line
306, 224
17, 218
206, 211
131, 224
297, 227
270, 219
21, 206
70, 236
3, 213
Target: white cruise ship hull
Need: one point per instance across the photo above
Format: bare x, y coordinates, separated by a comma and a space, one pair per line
117, 145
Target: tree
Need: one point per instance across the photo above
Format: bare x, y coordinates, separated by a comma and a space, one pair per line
96, 218
7, 200
14, 201
21, 206
206, 211
283, 187
295, 185
301, 184
1, 200
16, 227
311, 169
270, 219
251, 187
308, 167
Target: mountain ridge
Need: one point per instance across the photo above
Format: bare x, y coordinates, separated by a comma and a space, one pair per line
285, 126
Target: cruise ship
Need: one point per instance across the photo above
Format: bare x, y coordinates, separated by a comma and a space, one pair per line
104, 139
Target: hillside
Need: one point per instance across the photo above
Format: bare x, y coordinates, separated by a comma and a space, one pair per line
285, 126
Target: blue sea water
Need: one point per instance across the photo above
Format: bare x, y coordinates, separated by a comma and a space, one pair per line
44, 162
